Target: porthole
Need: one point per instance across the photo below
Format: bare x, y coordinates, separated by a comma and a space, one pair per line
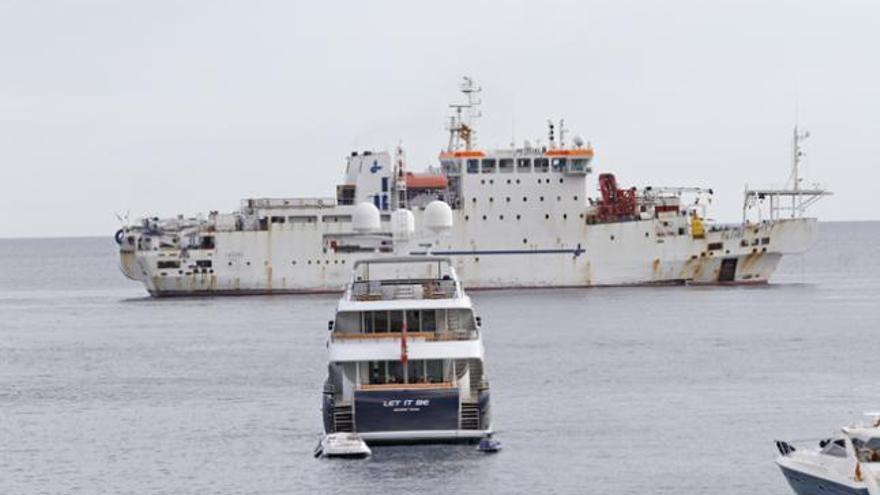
646, 234
547, 216
525, 199
560, 181
575, 198
500, 217
248, 263
483, 181
525, 241
612, 238
508, 181
310, 262
517, 181
581, 215
477, 259
484, 217
474, 199
293, 262
229, 264
517, 217
565, 216
466, 218
558, 198
491, 200
508, 199
541, 198
491, 181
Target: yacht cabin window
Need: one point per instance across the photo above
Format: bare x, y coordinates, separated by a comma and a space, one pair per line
558, 164
473, 166
836, 448
505, 165
417, 371
488, 165
523, 165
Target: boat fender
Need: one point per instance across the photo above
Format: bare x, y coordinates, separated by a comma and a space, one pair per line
118, 236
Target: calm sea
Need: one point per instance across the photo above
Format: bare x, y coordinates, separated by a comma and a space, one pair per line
614, 391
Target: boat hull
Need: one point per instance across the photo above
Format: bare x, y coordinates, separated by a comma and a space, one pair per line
807, 484
292, 260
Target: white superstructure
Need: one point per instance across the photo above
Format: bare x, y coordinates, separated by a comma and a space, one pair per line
523, 217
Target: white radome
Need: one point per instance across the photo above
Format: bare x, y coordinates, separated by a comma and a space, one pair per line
403, 223
365, 218
438, 217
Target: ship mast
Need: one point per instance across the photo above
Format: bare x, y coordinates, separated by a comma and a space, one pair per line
800, 198
461, 125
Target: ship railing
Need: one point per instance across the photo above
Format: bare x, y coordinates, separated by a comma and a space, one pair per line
252, 203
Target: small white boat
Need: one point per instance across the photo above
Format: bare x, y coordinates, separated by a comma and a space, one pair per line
847, 463
342, 445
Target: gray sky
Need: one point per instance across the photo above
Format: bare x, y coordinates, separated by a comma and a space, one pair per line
166, 107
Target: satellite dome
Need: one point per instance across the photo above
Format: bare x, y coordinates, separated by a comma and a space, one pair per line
578, 141
438, 216
403, 223
365, 218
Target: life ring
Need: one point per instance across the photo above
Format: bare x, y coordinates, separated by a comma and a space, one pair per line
118, 236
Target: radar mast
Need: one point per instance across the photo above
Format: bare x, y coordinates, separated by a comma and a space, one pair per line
462, 134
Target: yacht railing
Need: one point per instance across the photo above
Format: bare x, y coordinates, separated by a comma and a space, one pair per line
429, 336
384, 290
406, 386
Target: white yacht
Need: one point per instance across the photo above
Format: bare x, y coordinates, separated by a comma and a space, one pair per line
846, 463
406, 361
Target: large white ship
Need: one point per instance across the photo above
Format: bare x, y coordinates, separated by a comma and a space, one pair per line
524, 217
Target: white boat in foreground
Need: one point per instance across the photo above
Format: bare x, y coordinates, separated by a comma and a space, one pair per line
346, 445
847, 463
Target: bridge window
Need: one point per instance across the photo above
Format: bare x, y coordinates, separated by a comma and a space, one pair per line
164, 265
505, 165
542, 165
488, 165
473, 166
558, 164
524, 165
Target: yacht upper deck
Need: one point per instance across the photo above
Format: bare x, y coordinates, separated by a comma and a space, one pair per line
395, 281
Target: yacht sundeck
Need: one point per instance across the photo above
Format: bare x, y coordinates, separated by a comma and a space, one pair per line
405, 356
847, 463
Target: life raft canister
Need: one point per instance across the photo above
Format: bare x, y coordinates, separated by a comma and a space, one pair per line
118, 236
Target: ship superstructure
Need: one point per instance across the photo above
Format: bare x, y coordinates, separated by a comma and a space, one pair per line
515, 209
406, 356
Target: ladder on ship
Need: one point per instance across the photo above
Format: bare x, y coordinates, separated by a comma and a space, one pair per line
343, 419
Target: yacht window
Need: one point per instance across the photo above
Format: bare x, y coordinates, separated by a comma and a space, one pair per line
380, 321
559, 164
397, 321
473, 166
523, 165
412, 321
837, 448
542, 164
488, 165
434, 370
277, 219
505, 165
164, 265
429, 320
